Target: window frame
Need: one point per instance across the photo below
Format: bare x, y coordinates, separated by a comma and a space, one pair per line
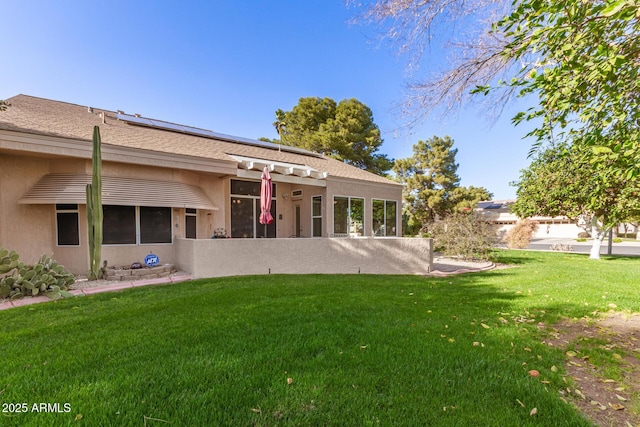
384, 217
255, 198
349, 217
138, 236
190, 213
60, 210
140, 225
316, 217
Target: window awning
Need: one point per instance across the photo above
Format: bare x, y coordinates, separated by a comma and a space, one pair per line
71, 188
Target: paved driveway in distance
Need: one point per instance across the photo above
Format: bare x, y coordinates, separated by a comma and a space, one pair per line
623, 248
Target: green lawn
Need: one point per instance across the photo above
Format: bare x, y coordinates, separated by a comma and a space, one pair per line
360, 349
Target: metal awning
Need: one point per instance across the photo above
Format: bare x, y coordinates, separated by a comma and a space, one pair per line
71, 188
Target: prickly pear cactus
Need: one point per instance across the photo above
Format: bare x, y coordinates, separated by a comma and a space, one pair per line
8, 260
47, 277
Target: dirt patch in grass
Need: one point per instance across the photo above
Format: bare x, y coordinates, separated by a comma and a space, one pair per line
603, 359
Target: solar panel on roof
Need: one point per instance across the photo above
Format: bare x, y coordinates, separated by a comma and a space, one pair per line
137, 120
170, 126
159, 124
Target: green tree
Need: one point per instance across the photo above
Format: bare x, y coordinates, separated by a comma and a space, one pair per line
432, 187
345, 131
580, 59
562, 181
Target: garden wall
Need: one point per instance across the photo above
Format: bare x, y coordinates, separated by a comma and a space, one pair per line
231, 257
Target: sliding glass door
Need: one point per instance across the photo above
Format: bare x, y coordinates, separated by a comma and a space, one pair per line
245, 211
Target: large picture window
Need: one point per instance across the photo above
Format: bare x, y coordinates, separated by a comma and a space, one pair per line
384, 214
67, 225
348, 216
130, 225
119, 225
155, 225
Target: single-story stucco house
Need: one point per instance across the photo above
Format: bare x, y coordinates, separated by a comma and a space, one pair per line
498, 212
169, 188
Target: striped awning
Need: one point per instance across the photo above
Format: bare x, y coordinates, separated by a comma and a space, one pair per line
71, 188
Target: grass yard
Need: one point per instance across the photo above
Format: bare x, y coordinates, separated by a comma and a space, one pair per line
310, 350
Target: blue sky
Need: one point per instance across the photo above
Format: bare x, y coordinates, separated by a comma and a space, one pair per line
227, 65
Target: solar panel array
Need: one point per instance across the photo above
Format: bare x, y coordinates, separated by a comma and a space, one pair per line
490, 205
190, 130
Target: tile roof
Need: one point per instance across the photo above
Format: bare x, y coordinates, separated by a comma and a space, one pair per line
40, 116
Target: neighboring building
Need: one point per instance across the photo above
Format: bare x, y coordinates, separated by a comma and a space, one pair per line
497, 212
163, 181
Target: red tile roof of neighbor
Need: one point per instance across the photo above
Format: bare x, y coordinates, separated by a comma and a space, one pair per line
38, 116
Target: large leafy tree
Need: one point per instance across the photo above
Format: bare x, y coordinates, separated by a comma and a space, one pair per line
579, 58
345, 131
582, 58
432, 187
562, 181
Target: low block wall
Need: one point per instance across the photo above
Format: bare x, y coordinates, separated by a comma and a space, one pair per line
126, 274
232, 257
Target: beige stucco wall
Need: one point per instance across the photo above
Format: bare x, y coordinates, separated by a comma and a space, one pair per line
30, 229
27, 229
367, 191
287, 208
230, 257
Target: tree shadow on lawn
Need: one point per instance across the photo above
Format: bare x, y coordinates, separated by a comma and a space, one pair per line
355, 341
501, 290
503, 258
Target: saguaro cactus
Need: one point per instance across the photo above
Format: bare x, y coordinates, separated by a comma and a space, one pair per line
94, 209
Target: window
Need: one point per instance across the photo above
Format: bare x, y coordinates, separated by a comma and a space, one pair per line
119, 225
348, 216
155, 225
190, 223
248, 188
67, 225
130, 225
316, 216
384, 214
245, 211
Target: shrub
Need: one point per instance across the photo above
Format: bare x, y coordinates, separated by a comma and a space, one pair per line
617, 240
583, 235
519, 236
581, 239
465, 235
47, 277
628, 235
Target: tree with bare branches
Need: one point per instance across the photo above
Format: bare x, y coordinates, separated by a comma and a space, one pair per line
462, 28
580, 59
